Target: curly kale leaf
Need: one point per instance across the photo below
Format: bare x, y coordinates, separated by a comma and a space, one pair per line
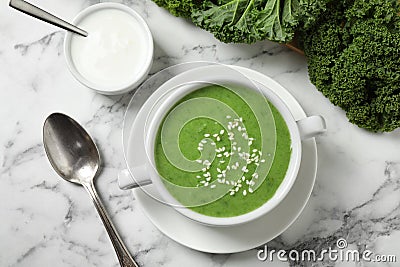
277, 23
309, 11
247, 21
180, 8
353, 56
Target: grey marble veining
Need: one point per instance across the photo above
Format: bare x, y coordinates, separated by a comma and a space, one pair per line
48, 222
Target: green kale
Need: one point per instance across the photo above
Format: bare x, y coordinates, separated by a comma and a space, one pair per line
353, 54
247, 21
180, 8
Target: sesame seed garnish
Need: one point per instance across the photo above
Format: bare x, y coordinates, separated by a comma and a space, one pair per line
248, 159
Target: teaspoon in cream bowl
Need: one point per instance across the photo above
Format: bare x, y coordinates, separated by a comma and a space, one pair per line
75, 157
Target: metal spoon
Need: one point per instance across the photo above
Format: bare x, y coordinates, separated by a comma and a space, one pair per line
39, 13
74, 156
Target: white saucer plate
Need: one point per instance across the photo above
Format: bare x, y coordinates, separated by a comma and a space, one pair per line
245, 236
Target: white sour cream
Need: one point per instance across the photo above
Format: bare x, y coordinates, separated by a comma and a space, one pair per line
114, 52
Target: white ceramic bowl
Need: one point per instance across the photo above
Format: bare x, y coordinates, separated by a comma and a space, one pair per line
124, 86
299, 130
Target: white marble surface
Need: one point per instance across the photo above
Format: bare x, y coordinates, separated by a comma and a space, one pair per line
45, 221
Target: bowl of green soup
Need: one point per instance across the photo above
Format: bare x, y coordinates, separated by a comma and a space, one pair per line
221, 149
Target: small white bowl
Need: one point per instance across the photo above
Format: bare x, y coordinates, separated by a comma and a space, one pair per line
124, 86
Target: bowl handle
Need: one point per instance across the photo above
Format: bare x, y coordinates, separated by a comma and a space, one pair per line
126, 181
311, 126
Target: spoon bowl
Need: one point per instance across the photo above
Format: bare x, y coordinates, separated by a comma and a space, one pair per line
75, 157
71, 151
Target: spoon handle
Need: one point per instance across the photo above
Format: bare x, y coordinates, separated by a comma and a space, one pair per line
125, 259
38, 13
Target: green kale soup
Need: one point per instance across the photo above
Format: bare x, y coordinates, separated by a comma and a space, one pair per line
194, 135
